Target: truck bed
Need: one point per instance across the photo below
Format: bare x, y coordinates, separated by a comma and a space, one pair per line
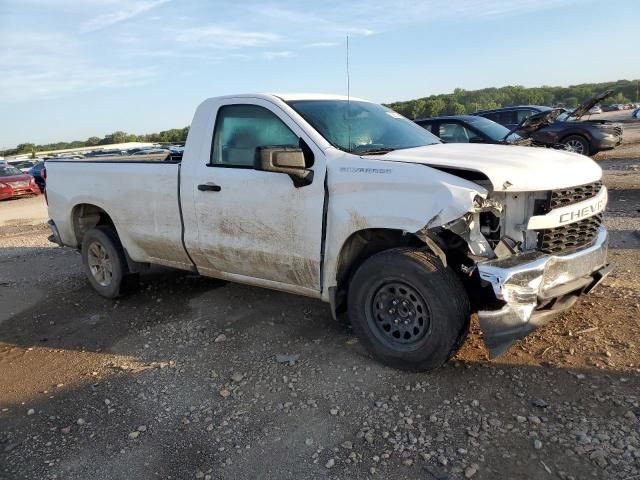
140, 192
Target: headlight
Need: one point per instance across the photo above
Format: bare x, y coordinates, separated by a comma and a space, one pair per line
486, 205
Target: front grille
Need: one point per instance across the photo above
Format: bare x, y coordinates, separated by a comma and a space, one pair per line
618, 130
568, 196
569, 237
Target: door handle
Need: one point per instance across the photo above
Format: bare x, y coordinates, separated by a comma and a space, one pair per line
209, 187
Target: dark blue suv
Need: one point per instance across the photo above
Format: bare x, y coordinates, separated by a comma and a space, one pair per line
587, 137
36, 173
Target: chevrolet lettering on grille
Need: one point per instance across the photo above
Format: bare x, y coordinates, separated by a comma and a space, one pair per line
582, 212
571, 213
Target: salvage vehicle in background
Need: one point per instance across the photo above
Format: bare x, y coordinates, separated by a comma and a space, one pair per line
14, 183
152, 151
104, 153
469, 129
586, 137
476, 129
347, 201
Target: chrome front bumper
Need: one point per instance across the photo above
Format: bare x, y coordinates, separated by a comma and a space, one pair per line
535, 286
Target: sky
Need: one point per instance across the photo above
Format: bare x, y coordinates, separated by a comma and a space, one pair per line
71, 69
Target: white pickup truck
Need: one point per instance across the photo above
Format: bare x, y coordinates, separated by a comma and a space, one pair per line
347, 201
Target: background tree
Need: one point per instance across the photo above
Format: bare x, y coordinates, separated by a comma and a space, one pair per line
619, 98
458, 102
25, 148
469, 101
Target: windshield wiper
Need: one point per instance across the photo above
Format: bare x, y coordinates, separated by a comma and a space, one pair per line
375, 151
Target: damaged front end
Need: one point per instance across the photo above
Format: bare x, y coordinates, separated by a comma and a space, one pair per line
534, 287
517, 278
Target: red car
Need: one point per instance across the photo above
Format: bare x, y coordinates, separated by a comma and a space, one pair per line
14, 183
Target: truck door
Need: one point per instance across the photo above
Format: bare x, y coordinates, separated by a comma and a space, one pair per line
255, 226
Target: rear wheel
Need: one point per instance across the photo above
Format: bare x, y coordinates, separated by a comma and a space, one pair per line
577, 144
104, 261
408, 310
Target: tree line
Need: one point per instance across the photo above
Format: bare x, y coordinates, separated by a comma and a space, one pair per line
459, 102
175, 135
462, 101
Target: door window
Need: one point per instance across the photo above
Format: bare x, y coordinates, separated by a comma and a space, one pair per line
507, 118
522, 115
426, 125
241, 129
455, 133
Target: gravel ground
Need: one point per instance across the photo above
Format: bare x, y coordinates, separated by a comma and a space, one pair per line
195, 378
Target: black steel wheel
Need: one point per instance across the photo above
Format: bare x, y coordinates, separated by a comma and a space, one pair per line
399, 315
408, 310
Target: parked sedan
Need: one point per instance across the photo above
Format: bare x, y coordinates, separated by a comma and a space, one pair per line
151, 151
586, 137
468, 129
14, 183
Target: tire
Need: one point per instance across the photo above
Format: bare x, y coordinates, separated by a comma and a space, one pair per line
577, 144
104, 261
430, 318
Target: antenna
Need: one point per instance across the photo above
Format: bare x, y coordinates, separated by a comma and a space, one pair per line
348, 98
348, 77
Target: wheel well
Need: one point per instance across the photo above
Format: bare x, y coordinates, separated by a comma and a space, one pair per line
360, 246
85, 217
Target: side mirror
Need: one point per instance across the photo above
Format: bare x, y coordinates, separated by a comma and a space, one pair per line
287, 160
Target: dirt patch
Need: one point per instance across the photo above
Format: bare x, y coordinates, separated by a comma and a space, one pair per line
182, 380
23, 211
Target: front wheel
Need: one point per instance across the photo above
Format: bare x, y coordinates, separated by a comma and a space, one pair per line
577, 144
408, 310
104, 261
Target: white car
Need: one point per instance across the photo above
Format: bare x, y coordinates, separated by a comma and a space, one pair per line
347, 201
595, 110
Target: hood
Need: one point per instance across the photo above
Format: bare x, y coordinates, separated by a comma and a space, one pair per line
535, 122
15, 178
509, 168
587, 105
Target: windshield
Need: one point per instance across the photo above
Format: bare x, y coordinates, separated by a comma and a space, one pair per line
362, 127
22, 164
493, 130
9, 171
